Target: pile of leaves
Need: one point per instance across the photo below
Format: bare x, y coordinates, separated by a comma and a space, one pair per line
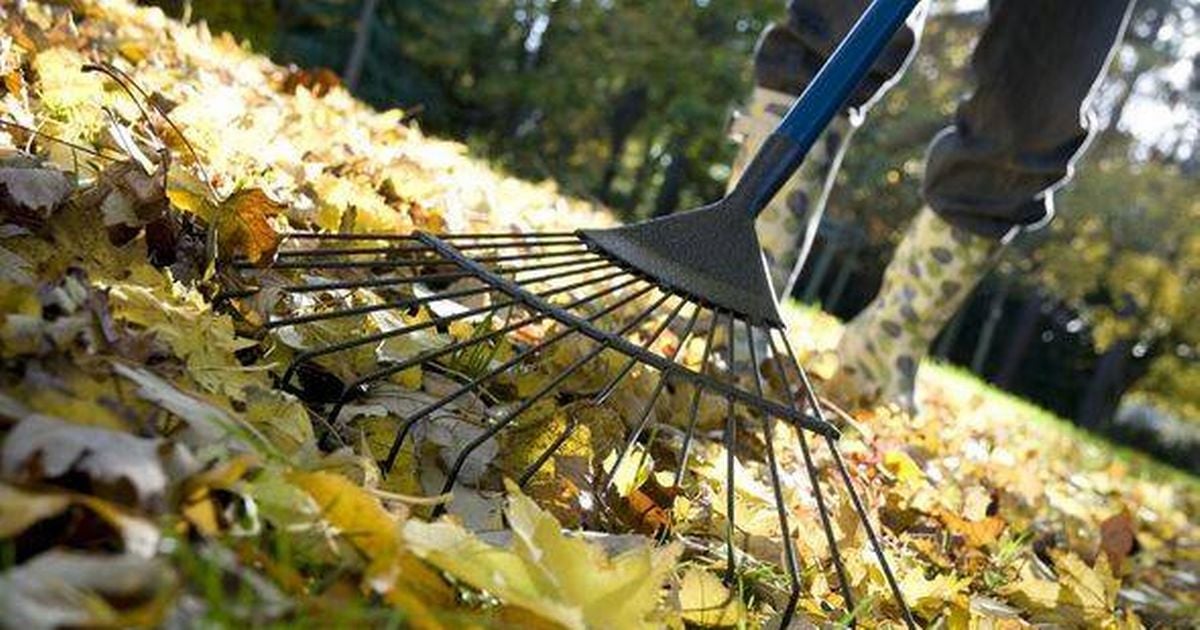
150, 473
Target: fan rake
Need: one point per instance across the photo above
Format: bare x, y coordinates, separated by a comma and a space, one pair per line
684, 301
505, 284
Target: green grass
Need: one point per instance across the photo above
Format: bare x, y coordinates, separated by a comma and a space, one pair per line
813, 328
1140, 463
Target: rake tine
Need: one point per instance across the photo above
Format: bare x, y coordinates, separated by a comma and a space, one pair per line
336, 236
362, 251
531, 236
516, 359
461, 459
400, 305
644, 416
387, 334
685, 450
397, 264
844, 473
814, 477
440, 277
523, 239
607, 390
730, 445
454, 347
789, 549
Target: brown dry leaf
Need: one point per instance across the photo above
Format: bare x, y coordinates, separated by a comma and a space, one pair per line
1117, 539
243, 228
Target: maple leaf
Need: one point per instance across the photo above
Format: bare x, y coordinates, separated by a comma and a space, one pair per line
563, 579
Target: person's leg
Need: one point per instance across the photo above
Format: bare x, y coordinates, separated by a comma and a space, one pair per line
989, 175
788, 56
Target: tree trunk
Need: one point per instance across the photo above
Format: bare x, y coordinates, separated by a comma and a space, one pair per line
362, 38
1018, 346
673, 180
1103, 390
628, 110
988, 334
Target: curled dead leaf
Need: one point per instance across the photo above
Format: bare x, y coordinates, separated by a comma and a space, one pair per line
122, 467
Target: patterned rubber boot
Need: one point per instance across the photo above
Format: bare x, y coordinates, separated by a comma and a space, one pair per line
934, 269
788, 223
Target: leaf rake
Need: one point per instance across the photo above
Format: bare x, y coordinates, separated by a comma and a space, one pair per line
464, 306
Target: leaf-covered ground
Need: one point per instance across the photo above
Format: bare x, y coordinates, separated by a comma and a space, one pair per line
150, 473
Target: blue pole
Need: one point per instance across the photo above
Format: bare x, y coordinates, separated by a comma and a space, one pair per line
826, 94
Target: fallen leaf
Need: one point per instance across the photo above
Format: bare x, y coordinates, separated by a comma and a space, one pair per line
563, 579
930, 597
28, 193
90, 523
705, 601
359, 519
118, 466
243, 228
71, 589
1117, 539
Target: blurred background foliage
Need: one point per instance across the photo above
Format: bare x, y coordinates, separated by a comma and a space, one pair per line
626, 102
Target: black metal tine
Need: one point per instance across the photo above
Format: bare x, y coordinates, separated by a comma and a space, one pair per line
372, 283
644, 416
611, 386
392, 264
844, 473
440, 277
815, 478
461, 459
413, 418
399, 305
513, 235
360, 251
686, 449
516, 236
454, 347
387, 334
789, 546
334, 236
602, 396
730, 445
309, 263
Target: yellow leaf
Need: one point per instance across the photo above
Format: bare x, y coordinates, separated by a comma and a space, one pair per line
561, 578
903, 466
705, 601
358, 518
930, 596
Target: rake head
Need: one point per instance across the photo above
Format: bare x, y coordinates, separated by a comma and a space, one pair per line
362, 311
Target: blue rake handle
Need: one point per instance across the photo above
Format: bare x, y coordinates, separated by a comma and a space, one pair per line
784, 150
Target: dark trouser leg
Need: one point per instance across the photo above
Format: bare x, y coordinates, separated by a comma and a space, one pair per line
790, 53
1015, 137
993, 171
